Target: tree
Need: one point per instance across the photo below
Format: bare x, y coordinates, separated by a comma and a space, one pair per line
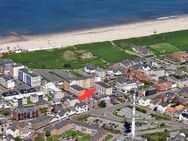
17, 138
48, 133
102, 104
43, 110
38, 139
6, 112
66, 65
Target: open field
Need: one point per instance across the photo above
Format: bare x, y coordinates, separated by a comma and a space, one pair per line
163, 48
177, 39
57, 58
103, 52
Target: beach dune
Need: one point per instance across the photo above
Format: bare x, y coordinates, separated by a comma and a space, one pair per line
58, 40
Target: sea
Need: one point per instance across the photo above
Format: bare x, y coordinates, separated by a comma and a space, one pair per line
30, 17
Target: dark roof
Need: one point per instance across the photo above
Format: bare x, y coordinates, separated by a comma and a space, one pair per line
9, 93
27, 140
90, 66
40, 119
102, 84
142, 50
62, 112
24, 91
185, 115
13, 127
185, 90
28, 72
9, 137
122, 80
127, 62
76, 87
82, 104
25, 110
99, 96
6, 61
6, 77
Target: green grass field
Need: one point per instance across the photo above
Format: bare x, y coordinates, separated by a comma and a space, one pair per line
70, 133
103, 52
106, 51
156, 136
163, 48
177, 39
55, 59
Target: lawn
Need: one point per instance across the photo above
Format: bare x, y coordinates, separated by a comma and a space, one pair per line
163, 48
160, 117
177, 38
157, 136
52, 59
106, 51
70, 134
57, 58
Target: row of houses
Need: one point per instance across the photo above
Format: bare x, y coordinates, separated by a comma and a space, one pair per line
22, 96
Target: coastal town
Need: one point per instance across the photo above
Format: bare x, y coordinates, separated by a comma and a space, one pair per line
95, 102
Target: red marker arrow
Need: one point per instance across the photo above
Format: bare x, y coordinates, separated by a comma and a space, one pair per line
87, 94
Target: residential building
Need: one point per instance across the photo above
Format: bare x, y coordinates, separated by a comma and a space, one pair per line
184, 116
84, 82
31, 78
51, 89
172, 109
183, 83
77, 90
5, 66
124, 84
97, 134
89, 68
142, 51
143, 102
103, 88
126, 64
150, 91
155, 74
100, 73
7, 81
40, 122
15, 68
81, 107
137, 75
115, 71
25, 113
20, 97
18, 101
12, 130
4, 104
163, 86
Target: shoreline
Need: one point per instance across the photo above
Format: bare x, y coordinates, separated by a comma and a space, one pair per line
100, 34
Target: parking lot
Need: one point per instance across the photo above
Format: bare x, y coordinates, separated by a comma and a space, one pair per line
127, 112
109, 123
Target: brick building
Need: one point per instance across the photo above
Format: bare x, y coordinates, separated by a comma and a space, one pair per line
25, 113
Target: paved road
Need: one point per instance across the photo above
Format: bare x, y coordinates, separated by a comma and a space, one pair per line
107, 112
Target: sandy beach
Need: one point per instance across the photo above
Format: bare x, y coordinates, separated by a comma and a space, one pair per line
48, 41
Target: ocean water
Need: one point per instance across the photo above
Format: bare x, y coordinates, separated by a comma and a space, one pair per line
49, 16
